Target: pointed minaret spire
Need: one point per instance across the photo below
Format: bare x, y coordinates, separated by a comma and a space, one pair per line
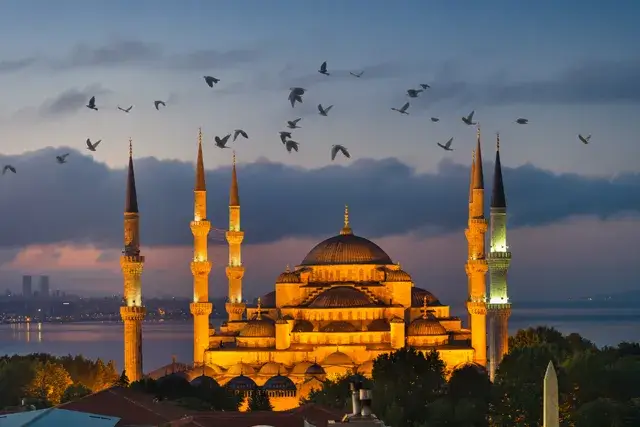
200, 181
498, 199
346, 229
478, 176
234, 197
473, 165
131, 202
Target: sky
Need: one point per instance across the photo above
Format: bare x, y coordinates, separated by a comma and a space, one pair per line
570, 68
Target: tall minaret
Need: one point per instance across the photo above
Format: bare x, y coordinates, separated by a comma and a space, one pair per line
498, 259
235, 270
476, 266
131, 263
201, 308
550, 410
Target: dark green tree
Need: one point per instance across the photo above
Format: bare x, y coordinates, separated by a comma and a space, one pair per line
259, 401
602, 412
336, 393
75, 392
123, 380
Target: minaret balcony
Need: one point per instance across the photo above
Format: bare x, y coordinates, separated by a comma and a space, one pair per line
234, 237
476, 266
499, 255
200, 268
200, 228
478, 224
135, 313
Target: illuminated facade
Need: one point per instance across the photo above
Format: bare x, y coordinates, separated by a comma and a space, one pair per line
499, 259
131, 263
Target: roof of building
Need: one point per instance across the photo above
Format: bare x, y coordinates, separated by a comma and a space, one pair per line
418, 295
346, 249
428, 326
341, 297
57, 417
258, 328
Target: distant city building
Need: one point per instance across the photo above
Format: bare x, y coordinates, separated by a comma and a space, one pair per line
27, 292
44, 287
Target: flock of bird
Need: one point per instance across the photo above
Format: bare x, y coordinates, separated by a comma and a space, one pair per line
295, 96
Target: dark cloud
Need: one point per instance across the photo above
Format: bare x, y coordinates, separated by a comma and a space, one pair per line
9, 66
207, 59
115, 53
82, 201
71, 101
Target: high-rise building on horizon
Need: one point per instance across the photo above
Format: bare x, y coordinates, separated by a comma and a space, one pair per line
27, 289
43, 288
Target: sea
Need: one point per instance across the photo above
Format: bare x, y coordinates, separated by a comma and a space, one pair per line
604, 323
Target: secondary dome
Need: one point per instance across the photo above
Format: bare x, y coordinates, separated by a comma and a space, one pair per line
279, 382
418, 295
258, 328
346, 249
341, 297
426, 327
241, 384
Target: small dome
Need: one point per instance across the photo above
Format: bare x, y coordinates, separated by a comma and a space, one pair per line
288, 277
379, 325
346, 249
303, 326
338, 358
301, 368
341, 297
210, 370
272, 368
279, 382
175, 377
339, 326
417, 297
241, 383
258, 328
425, 327
315, 369
398, 276
268, 300
240, 369
205, 382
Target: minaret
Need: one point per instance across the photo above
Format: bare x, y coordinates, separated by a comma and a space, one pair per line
499, 258
131, 263
476, 266
235, 271
550, 409
201, 308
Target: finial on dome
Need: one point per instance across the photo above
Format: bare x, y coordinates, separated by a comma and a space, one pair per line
498, 141
234, 157
200, 136
346, 229
288, 269
424, 307
473, 156
130, 148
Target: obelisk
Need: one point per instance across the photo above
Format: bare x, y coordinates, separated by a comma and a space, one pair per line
550, 409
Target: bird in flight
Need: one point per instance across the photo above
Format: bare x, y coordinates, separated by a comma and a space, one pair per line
337, 148
323, 69
222, 142
447, 145
435, 119
126, 110
357, 74
158, 104
8, 168
324, 111
62, 159
293, 124
522, 121
584, 139
284, 135
211, 80
238, 132
291, 145
296, 95
92, 147
402, 110
469, 119
92, 103
425, 86
413, 93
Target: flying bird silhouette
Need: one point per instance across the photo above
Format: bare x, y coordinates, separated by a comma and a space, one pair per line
425, 86
8, 168
92, 103
126, 110
522, 121
447, 145
413, 93
323, 69
92, 147
357, 74
238, 132
222, 142
435, 119
62, 159
158, 104
296, 95
284, 135
337, 148
584, 139
402, 110
291, 145
293, 124
469, 119
324, 111
211, 80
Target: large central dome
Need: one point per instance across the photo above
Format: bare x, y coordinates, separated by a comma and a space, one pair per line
346, 249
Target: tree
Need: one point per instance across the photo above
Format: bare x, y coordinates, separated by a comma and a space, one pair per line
75, 392
123, 380
50, 381
15, 376
259, 401
602, 412
336, 393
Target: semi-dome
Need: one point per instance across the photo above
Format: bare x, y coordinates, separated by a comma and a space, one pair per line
258, 328
302, 326
341, 297
379, 325
339, 326
279, 382
288, 277
398, 276
418, 295
346, 249
241, 383
426, 326
336, 359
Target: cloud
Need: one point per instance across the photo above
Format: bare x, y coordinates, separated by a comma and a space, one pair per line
70, 101
119, 52
81, 202
592, 82
12, 65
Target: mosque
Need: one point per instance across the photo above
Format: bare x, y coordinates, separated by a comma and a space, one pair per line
343, 305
